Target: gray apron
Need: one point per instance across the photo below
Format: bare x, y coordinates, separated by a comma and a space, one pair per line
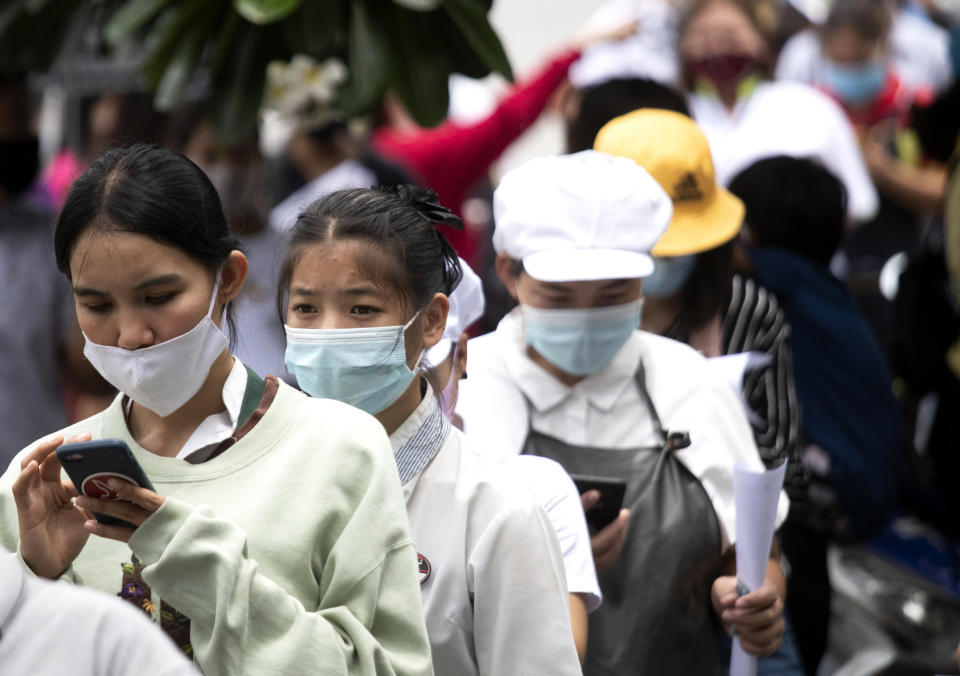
656, 617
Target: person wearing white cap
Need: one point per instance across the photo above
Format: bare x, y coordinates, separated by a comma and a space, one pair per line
568, 375
546, 481
366, 284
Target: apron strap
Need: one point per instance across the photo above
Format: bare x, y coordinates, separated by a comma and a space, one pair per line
671, 441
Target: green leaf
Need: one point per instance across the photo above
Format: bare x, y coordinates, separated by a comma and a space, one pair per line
238, 86
167, 37
318, 29
20, 48
463, 59
10, 13
35, 6
133, 15
369, 60
179, 69
419, 5
183, 34
420, 72
224, 40
265, 11
471, 19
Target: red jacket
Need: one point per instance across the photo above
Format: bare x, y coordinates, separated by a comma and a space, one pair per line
452, 158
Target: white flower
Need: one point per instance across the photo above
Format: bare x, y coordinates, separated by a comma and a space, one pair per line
304, 89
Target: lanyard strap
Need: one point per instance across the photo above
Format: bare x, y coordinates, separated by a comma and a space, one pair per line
251, 396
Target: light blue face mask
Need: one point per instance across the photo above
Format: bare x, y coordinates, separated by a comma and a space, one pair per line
366, 368
580, 342
669, 275
855, 84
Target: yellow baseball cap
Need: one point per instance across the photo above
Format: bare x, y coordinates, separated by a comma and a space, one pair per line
672, 148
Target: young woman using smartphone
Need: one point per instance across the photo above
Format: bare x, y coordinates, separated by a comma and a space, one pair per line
275, 540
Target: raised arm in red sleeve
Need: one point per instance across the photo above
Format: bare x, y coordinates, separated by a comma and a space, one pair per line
451, 158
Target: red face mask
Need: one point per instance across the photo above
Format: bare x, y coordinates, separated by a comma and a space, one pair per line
724, 70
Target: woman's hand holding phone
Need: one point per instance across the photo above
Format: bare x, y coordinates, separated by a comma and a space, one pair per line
52, 531
608, 541
133, 504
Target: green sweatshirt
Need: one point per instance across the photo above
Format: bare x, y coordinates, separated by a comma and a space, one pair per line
290, 553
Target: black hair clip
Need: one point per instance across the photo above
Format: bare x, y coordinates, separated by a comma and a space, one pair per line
427, 204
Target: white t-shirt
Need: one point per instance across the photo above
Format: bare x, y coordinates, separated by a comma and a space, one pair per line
495, 598
786, 118
55, 628
346, 175
552, 488
920, 52
507, 392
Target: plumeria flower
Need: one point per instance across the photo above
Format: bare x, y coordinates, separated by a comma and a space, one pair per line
304, 89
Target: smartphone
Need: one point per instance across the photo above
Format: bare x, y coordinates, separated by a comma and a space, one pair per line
90, 464
608, 506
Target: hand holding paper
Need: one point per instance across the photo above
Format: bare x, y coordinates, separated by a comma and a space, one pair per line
756, 495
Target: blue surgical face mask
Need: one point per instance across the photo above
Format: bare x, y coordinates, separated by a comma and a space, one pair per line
580, 342
366, 368
669, 275
855, 84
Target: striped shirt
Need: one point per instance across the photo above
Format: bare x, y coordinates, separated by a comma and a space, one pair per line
754, 322
417, 451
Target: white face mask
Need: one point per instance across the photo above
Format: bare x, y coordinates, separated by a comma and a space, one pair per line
165, 376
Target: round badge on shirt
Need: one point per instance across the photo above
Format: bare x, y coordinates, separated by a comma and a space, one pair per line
423, 568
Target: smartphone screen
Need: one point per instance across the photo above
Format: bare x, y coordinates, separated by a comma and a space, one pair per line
610, 503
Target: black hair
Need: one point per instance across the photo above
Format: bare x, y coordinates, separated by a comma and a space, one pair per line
401, 221
937, 124
603, 102
148, 191
869, 18
16, 100
795, 204
706, 293
328, 132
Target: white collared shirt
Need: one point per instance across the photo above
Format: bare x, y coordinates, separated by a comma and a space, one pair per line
217, 427
507, 392
786, 118
495, 600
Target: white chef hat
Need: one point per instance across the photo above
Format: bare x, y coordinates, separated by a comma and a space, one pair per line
466, 306
585, 216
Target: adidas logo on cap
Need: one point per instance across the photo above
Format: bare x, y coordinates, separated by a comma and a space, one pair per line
687, 189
